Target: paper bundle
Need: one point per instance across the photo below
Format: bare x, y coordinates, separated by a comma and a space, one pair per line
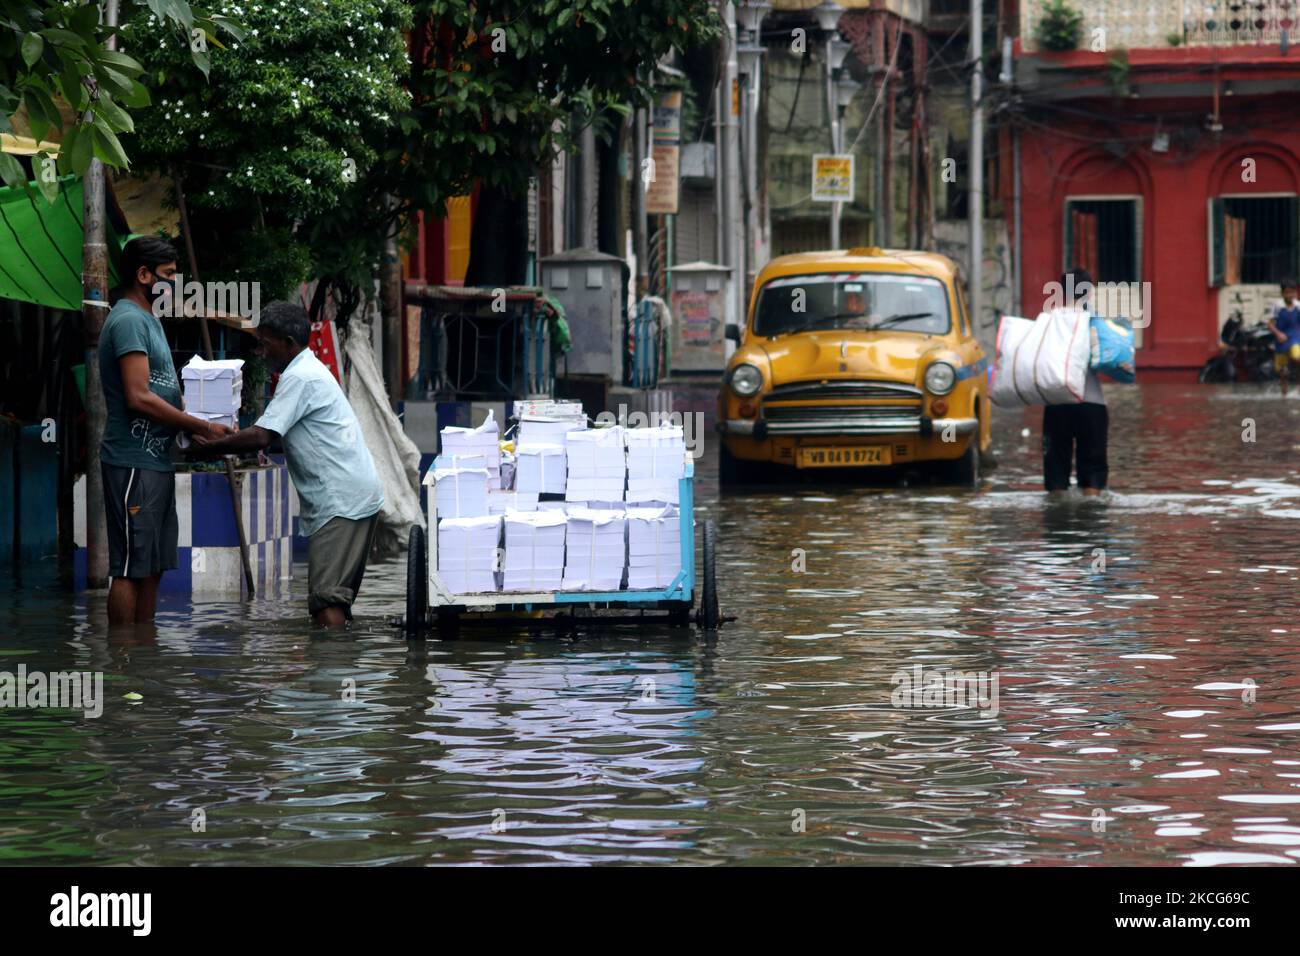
499, 502
595, 550
539, 469
485, 440
656, 462
654, 547
214, 388
596, 464
467, 553
548, 430
459, 492
534, 550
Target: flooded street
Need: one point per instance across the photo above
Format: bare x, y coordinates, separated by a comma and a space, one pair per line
1146, 649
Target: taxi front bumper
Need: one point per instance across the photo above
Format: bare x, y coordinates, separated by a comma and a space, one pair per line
760, 430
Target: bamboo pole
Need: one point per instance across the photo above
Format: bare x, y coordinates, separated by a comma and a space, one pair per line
231, 477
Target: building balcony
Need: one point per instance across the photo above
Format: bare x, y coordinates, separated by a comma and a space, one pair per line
1170, 24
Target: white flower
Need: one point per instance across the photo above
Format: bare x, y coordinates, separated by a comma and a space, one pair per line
307, 180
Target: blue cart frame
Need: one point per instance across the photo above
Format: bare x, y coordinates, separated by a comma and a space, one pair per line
678, 597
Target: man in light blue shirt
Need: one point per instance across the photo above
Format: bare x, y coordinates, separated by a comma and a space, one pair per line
338, 488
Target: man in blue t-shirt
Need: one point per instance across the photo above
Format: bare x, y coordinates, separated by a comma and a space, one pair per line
1285, 326
144, 411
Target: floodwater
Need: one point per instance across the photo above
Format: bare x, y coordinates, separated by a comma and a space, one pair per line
1146, 649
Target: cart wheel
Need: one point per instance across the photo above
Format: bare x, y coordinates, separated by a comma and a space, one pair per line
709, 617
417, 584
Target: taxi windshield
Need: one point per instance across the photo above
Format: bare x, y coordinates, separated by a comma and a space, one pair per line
862, 301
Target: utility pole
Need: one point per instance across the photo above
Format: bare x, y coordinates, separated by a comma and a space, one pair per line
94, 309
729, 161
975, 192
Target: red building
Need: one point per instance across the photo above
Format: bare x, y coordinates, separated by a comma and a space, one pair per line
1168, 157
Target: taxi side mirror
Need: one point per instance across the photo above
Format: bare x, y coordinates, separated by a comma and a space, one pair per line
733, 333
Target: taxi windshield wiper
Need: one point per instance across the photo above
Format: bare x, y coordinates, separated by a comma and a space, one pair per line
900, 317
818, 320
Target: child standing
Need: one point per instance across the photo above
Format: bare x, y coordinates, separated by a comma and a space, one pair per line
1285, 326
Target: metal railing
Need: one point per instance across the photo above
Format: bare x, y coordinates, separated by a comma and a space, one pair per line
1156, 24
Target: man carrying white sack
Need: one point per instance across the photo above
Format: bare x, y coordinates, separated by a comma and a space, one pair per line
328, 461
1077, 431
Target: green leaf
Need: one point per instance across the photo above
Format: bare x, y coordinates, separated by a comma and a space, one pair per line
33, 46
202, 61
138, 98
11, 171
120, 62
114, 115
79, 146
116, 82
63, 37
108, 149
46, 183
37, 121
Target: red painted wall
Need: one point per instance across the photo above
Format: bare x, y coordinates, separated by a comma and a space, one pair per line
1067, 156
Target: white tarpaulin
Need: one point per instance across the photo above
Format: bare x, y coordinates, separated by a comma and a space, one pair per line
397, 459
1042, 361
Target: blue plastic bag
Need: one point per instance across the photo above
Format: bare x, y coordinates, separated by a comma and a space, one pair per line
1112, 348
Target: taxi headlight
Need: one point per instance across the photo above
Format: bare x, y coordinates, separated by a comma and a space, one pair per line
940, 377
746, 380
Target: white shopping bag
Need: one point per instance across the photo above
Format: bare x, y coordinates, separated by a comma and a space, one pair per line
1043, 361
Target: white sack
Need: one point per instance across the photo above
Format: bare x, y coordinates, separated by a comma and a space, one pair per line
397, 460
1042, 361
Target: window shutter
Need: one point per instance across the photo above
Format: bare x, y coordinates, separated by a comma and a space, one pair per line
1216, 242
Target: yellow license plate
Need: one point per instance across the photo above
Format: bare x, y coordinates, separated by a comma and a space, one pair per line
844, 457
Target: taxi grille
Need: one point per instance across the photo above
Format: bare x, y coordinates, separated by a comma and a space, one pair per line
841, 389
865, 414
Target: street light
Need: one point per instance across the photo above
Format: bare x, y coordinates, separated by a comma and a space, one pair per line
750, 14
828, 16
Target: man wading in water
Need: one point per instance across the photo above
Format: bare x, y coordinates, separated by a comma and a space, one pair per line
142, 399
328, 461
1077, 430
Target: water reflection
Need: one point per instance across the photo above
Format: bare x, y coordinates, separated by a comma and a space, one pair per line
1145, 646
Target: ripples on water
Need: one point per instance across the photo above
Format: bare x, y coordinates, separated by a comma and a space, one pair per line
1121, 736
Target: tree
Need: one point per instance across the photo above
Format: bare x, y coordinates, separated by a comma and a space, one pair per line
496, 86
283, 141
56, 54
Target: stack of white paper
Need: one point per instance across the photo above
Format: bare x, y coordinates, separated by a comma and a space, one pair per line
596, 464
548, 429
459, 492
563, 507
654, 547
656, 462
457, 443
499, 502
467, 553
213, 390
595, 550
539, 469
534, 550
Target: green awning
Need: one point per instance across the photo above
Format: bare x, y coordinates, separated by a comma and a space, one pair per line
40, 246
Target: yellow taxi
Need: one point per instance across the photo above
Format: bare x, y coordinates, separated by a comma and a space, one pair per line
864, 358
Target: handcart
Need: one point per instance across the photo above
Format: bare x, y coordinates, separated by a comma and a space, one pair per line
430, 606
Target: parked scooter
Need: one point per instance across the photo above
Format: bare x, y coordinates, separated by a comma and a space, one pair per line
1245, 354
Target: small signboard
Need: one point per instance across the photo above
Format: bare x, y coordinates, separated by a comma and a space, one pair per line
832, 177
661, 190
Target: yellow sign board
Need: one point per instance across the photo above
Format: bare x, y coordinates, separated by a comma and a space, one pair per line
832, 179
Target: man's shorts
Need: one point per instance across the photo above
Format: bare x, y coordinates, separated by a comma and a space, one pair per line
336, 562
140, 513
